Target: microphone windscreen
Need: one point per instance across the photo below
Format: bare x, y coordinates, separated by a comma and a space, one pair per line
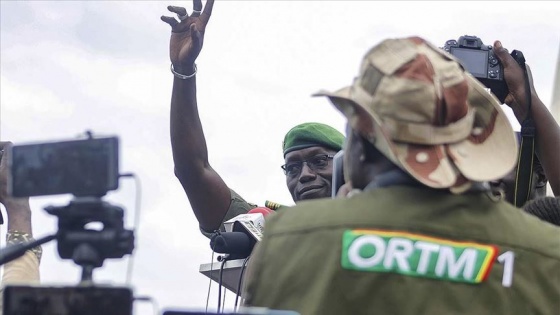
235, 243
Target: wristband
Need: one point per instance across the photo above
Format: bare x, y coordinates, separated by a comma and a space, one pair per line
17, 237
182, 76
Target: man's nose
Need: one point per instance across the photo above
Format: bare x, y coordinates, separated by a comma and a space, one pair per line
307, 174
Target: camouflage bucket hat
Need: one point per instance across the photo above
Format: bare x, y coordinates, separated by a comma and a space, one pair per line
424, 112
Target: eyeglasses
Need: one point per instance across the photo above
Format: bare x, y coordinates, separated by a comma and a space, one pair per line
316, 163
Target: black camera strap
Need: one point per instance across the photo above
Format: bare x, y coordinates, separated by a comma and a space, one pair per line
526, 157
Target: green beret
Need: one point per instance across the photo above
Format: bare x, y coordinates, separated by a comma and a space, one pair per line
312, 134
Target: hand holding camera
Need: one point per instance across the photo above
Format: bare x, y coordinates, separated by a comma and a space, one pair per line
492, 66
516, 97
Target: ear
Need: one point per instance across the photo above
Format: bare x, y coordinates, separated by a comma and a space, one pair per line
539, 175
370, 152
541, 179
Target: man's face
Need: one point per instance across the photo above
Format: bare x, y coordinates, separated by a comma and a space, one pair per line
507, 184
313, 178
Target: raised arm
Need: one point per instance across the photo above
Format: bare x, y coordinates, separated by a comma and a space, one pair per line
18, 210
547, 130
26, 268
208, 194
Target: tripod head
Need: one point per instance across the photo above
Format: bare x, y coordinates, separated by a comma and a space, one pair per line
88, 169
89, 248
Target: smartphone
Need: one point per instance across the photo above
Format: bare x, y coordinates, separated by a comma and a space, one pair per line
338, 174
86, 167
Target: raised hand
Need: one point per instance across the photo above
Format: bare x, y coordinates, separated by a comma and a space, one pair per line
19, 213
187, 34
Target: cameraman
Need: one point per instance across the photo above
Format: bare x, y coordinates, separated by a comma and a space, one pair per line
547, 133
26, 268
425, 235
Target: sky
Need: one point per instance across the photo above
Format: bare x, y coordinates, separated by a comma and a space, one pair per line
71, 66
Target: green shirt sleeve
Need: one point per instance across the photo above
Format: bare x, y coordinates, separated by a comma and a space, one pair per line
237, 206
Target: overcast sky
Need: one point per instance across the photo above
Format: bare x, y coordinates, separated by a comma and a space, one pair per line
71, 66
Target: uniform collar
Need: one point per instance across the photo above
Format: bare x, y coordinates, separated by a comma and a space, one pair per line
393, 177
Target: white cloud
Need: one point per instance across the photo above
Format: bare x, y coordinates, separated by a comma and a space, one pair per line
68, 66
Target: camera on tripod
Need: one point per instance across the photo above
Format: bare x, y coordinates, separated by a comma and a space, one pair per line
480, 61
87, 169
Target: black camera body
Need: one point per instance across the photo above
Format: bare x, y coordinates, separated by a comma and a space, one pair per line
480, 61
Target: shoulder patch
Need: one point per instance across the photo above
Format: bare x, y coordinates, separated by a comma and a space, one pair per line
416, 255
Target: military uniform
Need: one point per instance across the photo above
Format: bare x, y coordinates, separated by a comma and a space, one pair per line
407, 250
237, 206
439, 244
302, 136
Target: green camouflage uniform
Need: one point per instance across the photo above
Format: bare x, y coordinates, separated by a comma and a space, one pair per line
441, 248
407, 250
237, 206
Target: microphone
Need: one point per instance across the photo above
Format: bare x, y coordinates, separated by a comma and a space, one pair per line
242, 233
237, 244
251, 223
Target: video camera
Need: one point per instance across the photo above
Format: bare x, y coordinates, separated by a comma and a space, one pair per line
480, 61
87, 169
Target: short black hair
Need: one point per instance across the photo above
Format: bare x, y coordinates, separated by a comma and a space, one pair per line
545, 208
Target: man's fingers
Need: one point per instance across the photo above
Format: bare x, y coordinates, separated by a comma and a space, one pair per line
197, 5
197, 37
170, 20
194, 32
509, 99
180, 11
177, 10
502, 54
208, 9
